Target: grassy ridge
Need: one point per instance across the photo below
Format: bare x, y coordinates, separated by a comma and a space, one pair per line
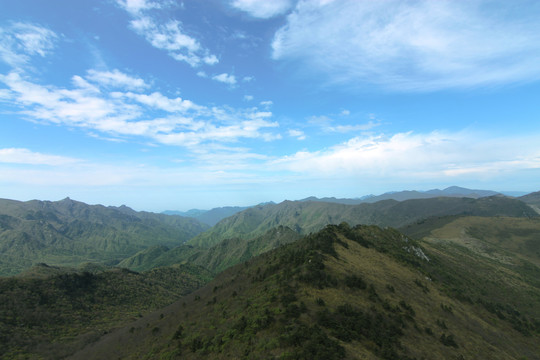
343, 292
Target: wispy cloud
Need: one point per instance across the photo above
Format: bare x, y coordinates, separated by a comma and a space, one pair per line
135, 7
26, 156
328, 123
352, 128
263, 9
20, 41
116, 79
171, 121
168, 36
419, 45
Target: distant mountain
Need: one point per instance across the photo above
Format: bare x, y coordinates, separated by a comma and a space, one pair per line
346, 293
215, 215
453, 191
209, 217
310, 216
344, 201
190, 213
460, 191
69, 233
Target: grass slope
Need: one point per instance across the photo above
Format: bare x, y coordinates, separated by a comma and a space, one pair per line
353, 293
504, 239
48, 312
69, 233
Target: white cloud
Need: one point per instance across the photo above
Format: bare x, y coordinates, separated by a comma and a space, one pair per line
25, 156
120, 114
20, 41
225, 78
266, 103
248, 79
117, 79
263, 9
434, 155
135, 7
210, 60
300, 135
170, 37
417, 45
160, 101
248, 97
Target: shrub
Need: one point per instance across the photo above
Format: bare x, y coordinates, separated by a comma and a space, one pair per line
355, 282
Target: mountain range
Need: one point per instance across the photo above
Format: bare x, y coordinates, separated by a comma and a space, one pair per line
69, 232
439, 277
343, 292
213, 216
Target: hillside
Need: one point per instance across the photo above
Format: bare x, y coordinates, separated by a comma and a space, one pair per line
305, 216
216, 258
69, 233
353, 293
48, 312
533, 200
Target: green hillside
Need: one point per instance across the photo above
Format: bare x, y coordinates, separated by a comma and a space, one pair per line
216, 258
503, 239
48, 312
353, 293
69, 233
305, 216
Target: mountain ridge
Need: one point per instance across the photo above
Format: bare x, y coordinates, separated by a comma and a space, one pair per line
343, 292
311, 216
69, 232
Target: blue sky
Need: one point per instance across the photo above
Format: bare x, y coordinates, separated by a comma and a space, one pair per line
161, 104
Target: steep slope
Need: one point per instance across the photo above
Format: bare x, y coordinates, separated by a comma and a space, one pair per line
503, 239
216, 258
50, 311
69, 233
354, 293
305, 217
533, 200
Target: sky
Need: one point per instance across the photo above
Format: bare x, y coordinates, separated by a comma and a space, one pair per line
172, 105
